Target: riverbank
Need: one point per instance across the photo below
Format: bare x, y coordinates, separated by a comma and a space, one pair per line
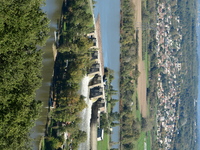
53, 11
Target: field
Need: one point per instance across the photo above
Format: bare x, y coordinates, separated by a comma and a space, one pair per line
144, 141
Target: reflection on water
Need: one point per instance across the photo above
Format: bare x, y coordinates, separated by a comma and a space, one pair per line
53, 10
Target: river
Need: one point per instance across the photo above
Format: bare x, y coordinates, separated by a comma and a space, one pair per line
198, 53
53, 10
109, 11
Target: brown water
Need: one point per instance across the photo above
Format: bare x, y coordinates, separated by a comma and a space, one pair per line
53, 10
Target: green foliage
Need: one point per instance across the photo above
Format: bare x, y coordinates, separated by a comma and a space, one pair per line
129, 126
104, 121
77, 20
187, 112
52, 143
23, 27
74, 47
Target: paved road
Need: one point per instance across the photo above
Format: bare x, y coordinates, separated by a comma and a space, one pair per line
93, 127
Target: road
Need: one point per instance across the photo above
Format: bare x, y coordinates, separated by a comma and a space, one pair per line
93, 127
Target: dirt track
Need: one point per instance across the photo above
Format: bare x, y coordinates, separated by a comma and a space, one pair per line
141, 65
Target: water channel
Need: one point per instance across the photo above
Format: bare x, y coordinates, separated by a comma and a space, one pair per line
53, 10
198, 52
109, 11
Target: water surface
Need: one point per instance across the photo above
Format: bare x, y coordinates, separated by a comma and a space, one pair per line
53, 10
109, 11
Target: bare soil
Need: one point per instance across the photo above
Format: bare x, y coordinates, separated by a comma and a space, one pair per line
141, 89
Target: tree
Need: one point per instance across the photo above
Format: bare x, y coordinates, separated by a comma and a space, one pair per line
23, 27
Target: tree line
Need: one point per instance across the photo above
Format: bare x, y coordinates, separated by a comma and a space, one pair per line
23, 27
129, 125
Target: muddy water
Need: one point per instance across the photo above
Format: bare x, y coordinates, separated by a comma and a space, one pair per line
53, 10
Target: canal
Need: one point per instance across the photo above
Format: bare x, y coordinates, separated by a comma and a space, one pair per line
53, 10
109, 11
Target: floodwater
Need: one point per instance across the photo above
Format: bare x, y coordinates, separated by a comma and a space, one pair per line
109, 11
53, 10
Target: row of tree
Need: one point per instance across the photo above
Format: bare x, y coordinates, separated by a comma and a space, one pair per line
129, 125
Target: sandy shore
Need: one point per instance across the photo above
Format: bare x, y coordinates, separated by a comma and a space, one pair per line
141, 89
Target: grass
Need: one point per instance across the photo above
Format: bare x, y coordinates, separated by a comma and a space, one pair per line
140, 141
148, 141
89, 8
103, 145
153, 132
138, 115
148, 104
144, 137
90, 12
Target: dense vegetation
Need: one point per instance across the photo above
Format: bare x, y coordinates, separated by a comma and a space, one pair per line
133, 126
187, 111
72, 63
23, 27
149, 44
129, 124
